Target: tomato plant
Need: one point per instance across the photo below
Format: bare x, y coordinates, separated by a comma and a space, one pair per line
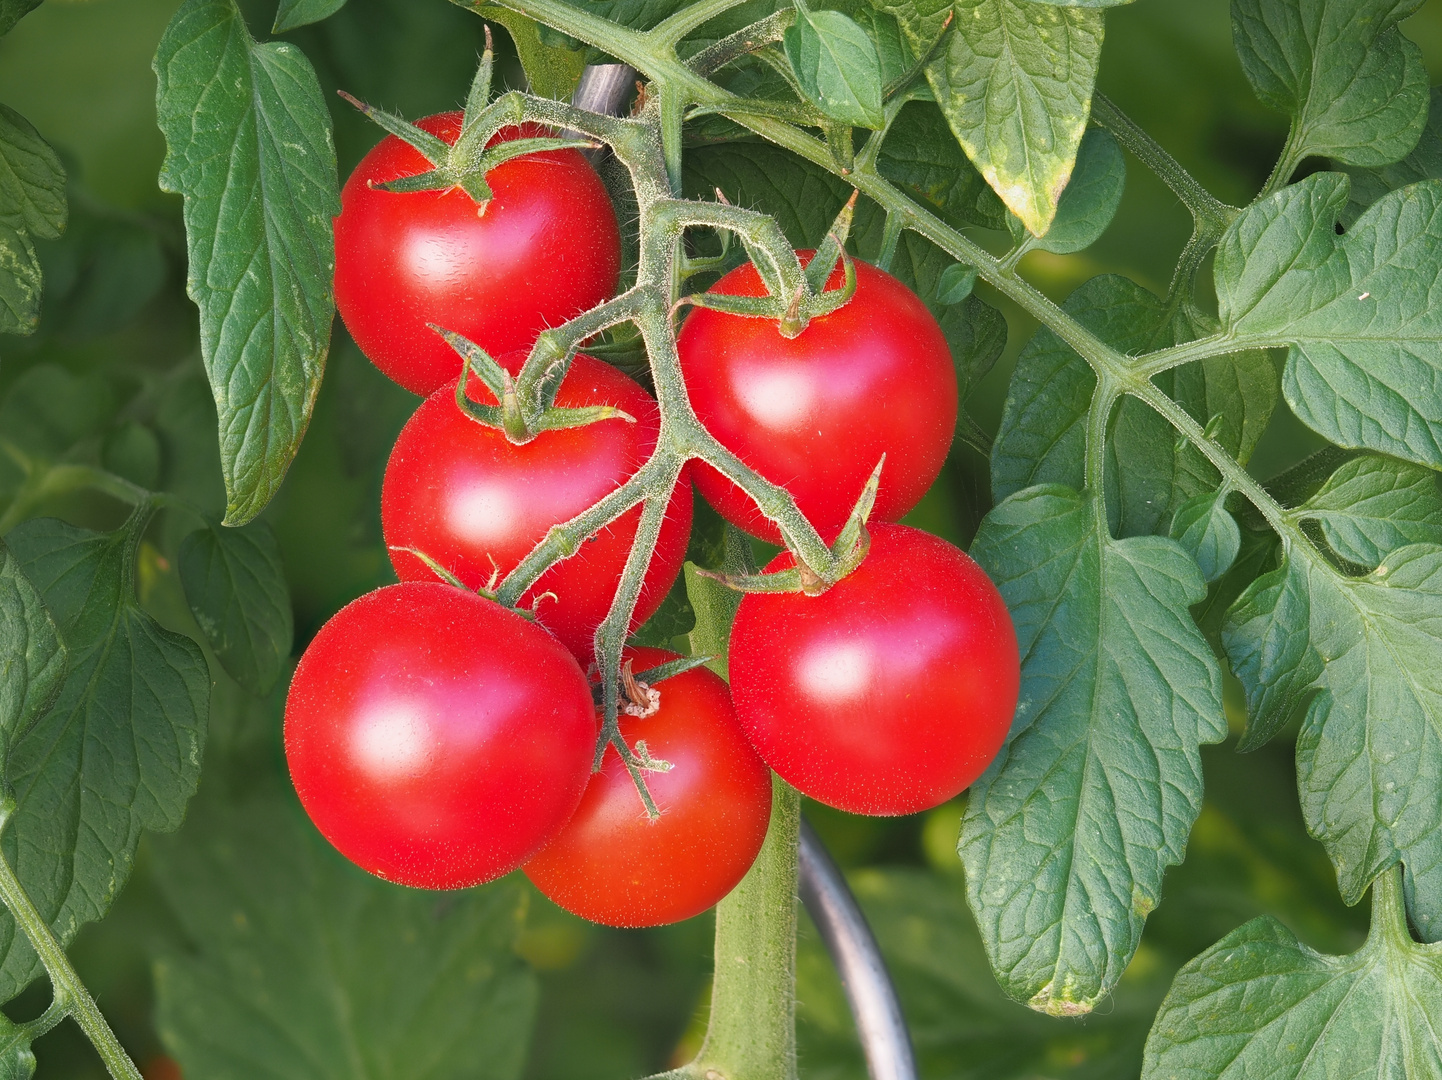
890, 692
475, 503
817, 411
436, 739
613, 863
544, 248
1134, 301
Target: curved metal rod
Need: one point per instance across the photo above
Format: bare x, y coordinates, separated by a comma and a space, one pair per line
874, 1006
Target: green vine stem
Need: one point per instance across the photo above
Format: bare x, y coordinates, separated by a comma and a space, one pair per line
71, 996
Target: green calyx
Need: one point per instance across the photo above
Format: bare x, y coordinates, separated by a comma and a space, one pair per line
512, 416
793, 309
465, 163
487, 590
848, 551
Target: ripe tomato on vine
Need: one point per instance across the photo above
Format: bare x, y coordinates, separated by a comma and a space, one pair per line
816, 412
435, 738
613, 864
545, 248
476, 503
890, 692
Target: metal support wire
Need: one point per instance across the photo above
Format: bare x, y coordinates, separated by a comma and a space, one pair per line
875, 1009
874, 1006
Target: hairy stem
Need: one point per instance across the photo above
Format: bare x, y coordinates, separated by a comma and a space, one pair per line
70, 993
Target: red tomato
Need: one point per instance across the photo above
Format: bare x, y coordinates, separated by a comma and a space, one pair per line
890, 692
612, 864
816, 413
435, 738
545, 248
476, 503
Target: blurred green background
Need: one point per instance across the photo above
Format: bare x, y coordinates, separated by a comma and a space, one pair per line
613, 1004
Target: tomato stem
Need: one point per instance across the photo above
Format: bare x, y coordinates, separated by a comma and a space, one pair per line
71, 996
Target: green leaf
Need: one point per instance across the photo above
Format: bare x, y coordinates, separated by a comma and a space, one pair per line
1369, 754
249, 146
551, 71
1090, 200
921, 21
1068, 834
307, 968
1372, 506
294, 13
119, 751
955, 283
976, 332
1261, 1003
893, 52
32, 204
1209, 534
1015, 82
1365, 336
837, 67
1356, 89
12, 11
32, 656
17, 1062
674, 618
1423, 163
1149, 473
921, 157
235, 585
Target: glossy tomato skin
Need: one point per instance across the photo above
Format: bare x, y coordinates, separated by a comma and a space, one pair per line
816, 412
465, 495
890, 692
546, 248
612, 864
435, 738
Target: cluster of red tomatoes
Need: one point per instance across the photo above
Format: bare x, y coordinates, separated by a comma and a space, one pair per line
440, 740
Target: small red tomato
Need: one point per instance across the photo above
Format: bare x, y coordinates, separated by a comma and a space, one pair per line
435, 738
890, 692
544, 249
477, 503
612, 864
816, 412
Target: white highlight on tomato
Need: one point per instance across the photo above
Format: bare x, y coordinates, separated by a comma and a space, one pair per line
779, 400
391, 741
837, 671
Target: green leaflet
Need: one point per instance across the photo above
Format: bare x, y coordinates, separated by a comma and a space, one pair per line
12, 11
1372, 506
1423, 163
1090, 200
836, 66
294, 13
1015, 82
1068, 834
32, 204
17, 1062
1368, 652
235, 584
1261, 1003
307, 968
1357, 310
551, 71
1208, 532
1356, 89
1042, 438
32, 656
118, 752
250, 148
